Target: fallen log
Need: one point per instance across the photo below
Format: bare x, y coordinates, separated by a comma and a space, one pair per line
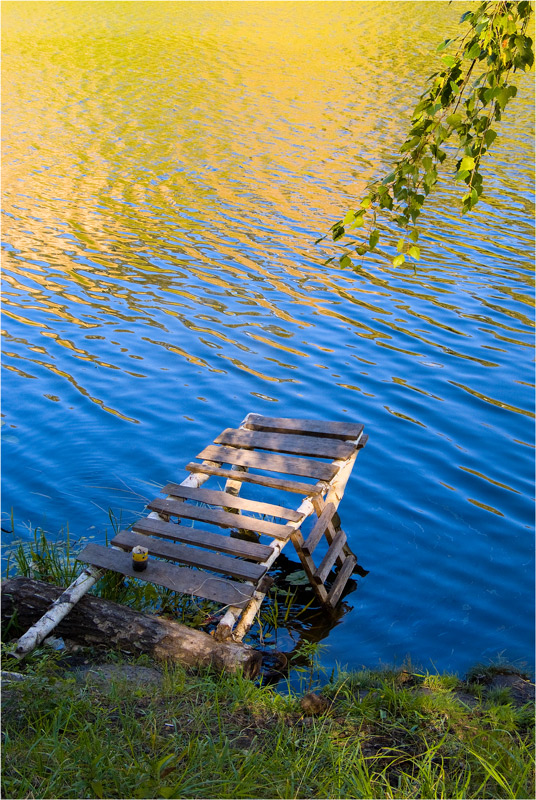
97, 622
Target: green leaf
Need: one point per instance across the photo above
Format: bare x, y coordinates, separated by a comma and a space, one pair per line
374, 238
338, 233
358, 222
415, 252
474, 51
449, 60
345, 262
443, 45
414, 235
400, 245
468, 163
455, 120
350, 216
398, 260
489, 137
366, 202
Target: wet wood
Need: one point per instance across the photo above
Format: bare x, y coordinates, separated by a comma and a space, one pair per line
207, 539
178, 579
305, 489
286, 443
318, 529
192, 556
97, 622
341, 580
316, 427
270, 463
334, 551
224, 519
224, 499
309, 567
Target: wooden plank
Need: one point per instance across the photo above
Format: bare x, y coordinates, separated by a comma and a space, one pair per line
341, 580
318, 529
206, 539
192, 556
287, 443
224, 519
315, 427
259, 480
271, 463
178, 579
224, 499
362, 442
334, 551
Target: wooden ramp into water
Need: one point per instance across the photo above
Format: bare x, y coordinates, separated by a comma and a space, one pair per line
229, 561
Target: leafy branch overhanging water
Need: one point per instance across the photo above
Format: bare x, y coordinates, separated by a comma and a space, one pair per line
458, 109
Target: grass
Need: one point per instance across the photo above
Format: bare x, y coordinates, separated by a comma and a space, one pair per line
202, 735
390, 733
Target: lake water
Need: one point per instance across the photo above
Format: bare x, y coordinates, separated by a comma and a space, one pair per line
167, 169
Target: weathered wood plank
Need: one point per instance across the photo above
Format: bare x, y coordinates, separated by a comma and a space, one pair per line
334, 551
207, 539
286, 443
178, 579
315, 427
259, 480
224, 499
341, 580
224, 519
318, 529
192, 556
271, 463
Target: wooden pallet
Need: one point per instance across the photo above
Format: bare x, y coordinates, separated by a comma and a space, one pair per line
229, 563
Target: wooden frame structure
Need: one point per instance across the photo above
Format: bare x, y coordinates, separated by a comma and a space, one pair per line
231, 566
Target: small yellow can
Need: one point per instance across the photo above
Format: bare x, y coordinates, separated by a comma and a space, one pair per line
140, 556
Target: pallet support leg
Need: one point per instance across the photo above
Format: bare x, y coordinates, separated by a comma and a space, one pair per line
243, 618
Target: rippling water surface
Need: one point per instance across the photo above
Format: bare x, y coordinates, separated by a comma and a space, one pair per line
167, 169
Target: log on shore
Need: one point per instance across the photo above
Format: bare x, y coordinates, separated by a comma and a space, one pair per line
97, 622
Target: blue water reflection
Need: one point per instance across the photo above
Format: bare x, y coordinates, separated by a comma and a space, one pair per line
167, 177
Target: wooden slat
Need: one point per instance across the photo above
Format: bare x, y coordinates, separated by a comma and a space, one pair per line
287, 443
341, 580
259, 480
331, 556
178, 579
309, 566
222, 518
315, 427
206, 539
227, 500
318, 529
271, 463
192, 556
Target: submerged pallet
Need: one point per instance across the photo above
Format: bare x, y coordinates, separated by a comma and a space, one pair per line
230, 565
